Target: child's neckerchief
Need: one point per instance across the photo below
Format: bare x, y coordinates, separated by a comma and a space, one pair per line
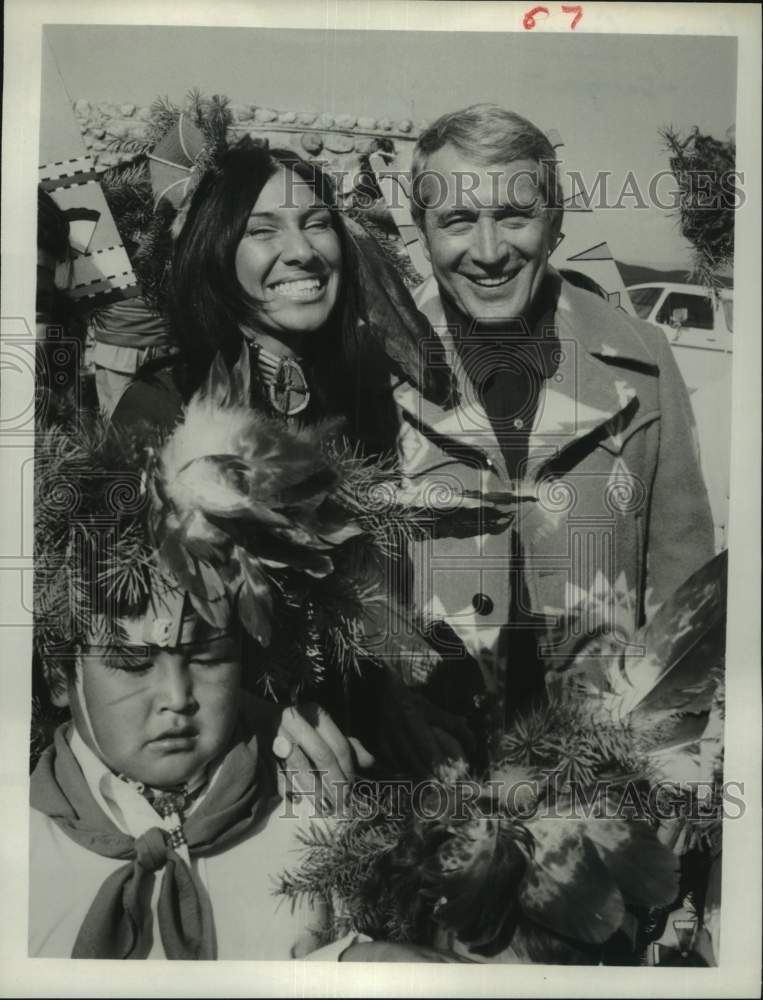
116, 923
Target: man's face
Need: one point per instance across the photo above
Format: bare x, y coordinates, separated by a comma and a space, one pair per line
159, 716
487, 234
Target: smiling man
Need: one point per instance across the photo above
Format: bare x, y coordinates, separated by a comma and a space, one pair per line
574, 404
488, 231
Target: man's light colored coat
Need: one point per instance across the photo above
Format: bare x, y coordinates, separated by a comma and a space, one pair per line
615, 512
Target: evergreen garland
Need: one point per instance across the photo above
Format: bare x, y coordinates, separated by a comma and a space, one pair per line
383, 867
562, 735
703, 167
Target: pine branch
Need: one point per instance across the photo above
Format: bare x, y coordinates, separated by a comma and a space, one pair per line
130, 145
564, 736
163, 116
704, 170
349, 864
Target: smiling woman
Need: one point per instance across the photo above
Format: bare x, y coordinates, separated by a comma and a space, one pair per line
264, 279
249, 251
289, 260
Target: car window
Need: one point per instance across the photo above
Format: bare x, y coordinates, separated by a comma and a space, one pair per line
643, 299
728, 312
699, 310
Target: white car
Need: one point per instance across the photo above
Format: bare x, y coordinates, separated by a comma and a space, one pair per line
699, 326
690, 314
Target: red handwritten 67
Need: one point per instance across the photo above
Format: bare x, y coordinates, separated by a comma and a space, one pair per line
529, 20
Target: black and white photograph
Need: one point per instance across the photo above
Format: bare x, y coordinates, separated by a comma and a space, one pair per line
382, 478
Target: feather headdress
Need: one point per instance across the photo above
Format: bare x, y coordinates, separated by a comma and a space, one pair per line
231, 509
250, 520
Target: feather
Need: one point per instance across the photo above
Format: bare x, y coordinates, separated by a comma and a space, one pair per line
213, 485
255, 601
395, 327
290, 546
679, 765
239, 387
392, 636
536, 944
178, 562
201, 538
335, 534
684, 645
688, 683
663, 732
281, 551
567, 888
645, 870
214, 612
201, 580
234, 477
474, 877
219, 384
212, 587
273, 457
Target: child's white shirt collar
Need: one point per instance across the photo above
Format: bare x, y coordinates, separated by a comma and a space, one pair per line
121, 802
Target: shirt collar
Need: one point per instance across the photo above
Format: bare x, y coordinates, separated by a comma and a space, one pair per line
120, 800
103, 783
535, 336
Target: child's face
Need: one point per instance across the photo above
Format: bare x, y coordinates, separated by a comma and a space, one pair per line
162, 715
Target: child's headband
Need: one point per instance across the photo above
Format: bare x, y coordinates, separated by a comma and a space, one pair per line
168, 622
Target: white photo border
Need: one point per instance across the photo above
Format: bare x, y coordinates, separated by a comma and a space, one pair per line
739, 971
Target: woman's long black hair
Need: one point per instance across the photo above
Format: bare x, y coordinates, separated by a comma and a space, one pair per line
349, 374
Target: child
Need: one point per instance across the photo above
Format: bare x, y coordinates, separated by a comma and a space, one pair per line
155, 827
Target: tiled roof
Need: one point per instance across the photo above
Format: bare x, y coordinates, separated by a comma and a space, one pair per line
319, 135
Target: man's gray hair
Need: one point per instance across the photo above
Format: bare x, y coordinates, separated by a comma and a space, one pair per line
488, 135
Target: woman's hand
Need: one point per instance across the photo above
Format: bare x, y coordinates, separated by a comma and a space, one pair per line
389, 951
318, 759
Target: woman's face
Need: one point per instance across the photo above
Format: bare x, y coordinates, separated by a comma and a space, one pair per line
290, 258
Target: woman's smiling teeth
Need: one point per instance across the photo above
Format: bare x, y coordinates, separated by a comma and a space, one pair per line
301, 289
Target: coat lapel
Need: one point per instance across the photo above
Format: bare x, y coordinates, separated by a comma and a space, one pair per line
589, 394
585, 398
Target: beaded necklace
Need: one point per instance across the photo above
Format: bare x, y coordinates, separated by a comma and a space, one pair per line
171, 804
